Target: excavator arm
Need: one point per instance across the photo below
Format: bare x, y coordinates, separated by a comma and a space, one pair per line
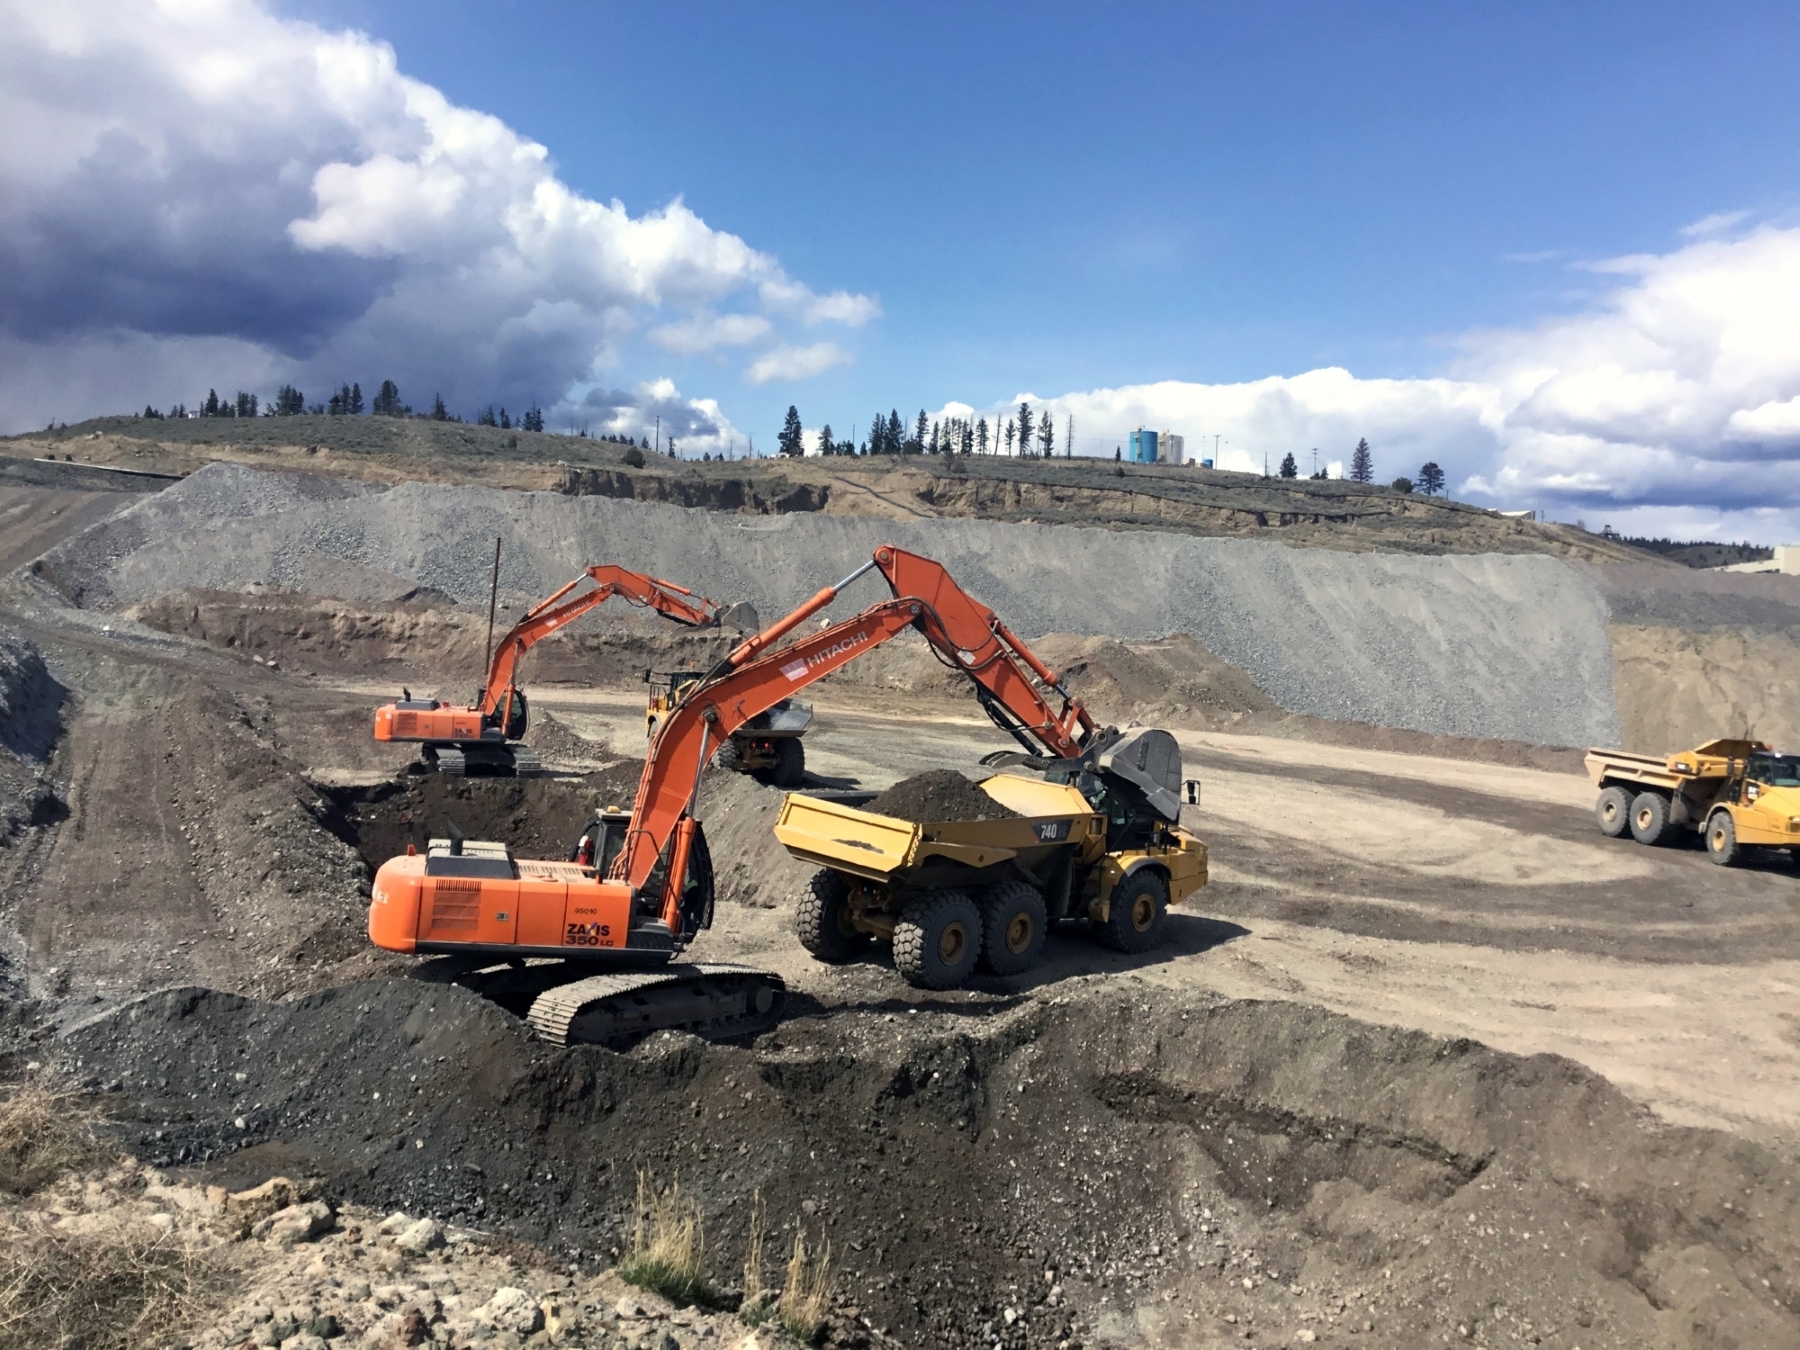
544, 618
1012, 682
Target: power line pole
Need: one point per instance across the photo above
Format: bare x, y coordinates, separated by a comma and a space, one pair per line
659, 433
1069, 439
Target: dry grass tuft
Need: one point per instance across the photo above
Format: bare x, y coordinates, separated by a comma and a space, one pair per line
45, 1132
668, 1245
118, 1289
807, 1293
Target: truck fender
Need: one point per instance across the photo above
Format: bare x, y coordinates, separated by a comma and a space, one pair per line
1100, 907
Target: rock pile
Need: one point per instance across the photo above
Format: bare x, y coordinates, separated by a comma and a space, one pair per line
938, 794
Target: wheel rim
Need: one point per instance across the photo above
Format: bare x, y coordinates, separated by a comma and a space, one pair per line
1610, 812
1143, 913
1019, 933
846, 923
1717, 838
952, 943
1643, 818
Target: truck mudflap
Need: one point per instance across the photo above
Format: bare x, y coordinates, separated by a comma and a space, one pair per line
719, 1001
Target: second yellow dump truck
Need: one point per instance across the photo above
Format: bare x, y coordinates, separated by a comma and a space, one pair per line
1740, 794
1097, 842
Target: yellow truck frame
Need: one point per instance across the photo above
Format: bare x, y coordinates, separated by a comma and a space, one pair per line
1739, 794
954, 895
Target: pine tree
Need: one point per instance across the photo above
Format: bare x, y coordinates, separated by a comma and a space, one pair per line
505, 421
1362, 463
1046, 435
968, 436
896, 432
289, 401
356, 399
981, 437
387, 401
1431, 478
1289, 469
533, 419
1024, 428
792, 440
1011, 431
486, 418
210, 408
826, 445
917, 443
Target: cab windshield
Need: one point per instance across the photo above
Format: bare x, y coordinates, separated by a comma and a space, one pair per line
1775, 770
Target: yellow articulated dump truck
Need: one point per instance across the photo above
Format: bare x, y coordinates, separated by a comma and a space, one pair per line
1095, 841
1739, 794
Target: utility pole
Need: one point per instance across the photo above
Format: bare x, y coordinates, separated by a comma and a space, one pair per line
659, 433
1215, 452
1069, 439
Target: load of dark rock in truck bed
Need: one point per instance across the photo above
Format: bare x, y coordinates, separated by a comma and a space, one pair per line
938, 794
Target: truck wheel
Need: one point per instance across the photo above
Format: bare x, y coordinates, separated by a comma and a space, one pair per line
1012, 928
1613, 812
938, 940
1721, 840
1649, 817
822, 920
1134, 922
790, 763
729, 758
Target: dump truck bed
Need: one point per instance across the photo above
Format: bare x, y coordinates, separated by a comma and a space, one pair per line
1715, 759
886, 849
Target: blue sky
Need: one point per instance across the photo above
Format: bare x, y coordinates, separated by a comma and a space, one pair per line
1121, 194
1555, 248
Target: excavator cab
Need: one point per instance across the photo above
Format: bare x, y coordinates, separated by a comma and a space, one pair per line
515, 715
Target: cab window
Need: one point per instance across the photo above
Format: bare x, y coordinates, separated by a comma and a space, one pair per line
1774, 770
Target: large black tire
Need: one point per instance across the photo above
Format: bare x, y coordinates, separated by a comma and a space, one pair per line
1721, 840
728, 757
1649, 817
790, 763
1013, 925
938, 940
822, 920
1136, 921
1613, 811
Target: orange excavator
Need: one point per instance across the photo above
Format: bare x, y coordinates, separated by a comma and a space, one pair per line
638, 886
483, 738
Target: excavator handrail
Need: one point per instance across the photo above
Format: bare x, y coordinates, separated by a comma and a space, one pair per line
544, 618
757, 675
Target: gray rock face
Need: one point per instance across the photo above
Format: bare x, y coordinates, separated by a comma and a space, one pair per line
1485, 645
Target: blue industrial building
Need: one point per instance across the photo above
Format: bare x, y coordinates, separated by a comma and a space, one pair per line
1143, 447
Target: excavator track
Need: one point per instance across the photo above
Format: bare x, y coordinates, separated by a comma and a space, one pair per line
716, 1001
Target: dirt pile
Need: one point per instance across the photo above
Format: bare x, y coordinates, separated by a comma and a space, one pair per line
938, 794
1510, 647
1114, 1166
534, 817
30, 722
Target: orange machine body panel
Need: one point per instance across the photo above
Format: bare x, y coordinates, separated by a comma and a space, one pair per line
444, 723
548, 908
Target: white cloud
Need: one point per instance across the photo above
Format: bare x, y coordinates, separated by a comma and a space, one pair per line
796, 363
1679, 390
203, 170
1717, 223
705, 332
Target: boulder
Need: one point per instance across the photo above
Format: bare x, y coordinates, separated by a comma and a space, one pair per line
512, 1310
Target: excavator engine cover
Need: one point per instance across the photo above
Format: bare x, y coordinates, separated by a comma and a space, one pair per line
1150, 761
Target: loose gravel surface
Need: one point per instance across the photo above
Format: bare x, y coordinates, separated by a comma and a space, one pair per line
1487, 645
938, 794
1113, 1166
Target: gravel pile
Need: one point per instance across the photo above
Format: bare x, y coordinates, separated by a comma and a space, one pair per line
30, 722
1483, 646
938, 794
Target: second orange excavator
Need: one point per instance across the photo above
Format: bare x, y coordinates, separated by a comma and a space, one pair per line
484, 737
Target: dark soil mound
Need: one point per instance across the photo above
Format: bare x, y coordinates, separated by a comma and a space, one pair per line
1124, 1160
938, 794
534, 817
